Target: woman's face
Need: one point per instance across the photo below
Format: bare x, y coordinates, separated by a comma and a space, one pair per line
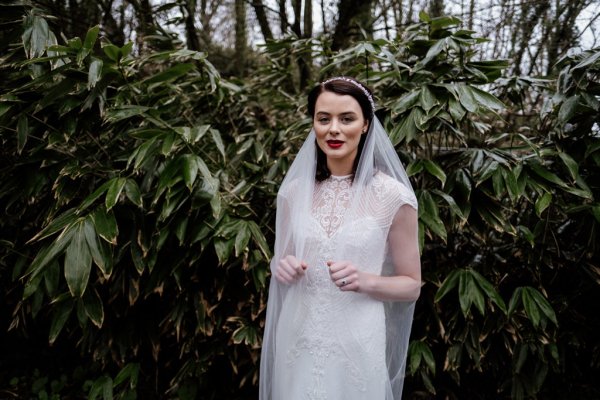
338, 125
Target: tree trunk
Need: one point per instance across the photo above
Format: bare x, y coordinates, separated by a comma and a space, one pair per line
191, 34
352, 15
263, 22
283, 20
323, 17
241, 38
471, 12
297, 6
305, 63
436, 8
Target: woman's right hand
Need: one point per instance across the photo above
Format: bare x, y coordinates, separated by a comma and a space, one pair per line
290, 269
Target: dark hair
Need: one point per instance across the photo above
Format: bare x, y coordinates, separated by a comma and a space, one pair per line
341, 87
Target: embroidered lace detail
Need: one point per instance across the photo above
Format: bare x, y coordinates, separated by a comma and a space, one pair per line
331, 199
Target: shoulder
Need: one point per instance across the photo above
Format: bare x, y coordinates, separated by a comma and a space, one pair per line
393, 192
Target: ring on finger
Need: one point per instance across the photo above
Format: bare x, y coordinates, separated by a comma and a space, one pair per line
344, 282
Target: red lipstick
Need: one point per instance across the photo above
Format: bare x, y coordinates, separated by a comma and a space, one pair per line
335, 144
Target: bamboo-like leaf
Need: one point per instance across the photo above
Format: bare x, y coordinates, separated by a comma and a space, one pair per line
407, 130
100, 255
132, 191
55, 225
93, 307
90, 38
216, 136
102, 386
571, 164
114, 192
489, 290
131, 371
22, 132
466, 97
456, 110
464, 294
35, 36
544, 173
78, 262
449, 283
515, 300
476, 295
488, 169
414, 168
94, 196
587, 61
542, 203
595, 210
242, 238
106, 225
125, 112
568, 109
198, 132
435, 170
190, 169
49, 253
427, 99
527, 234
111, 51
215, 205
176, 71
543, 304
435, 224
451, 202
415, 355
407, 101
259, 239
60, 316
223, 248
530, 306
486, 99
94, 72
511, 184
33, 284
51, 278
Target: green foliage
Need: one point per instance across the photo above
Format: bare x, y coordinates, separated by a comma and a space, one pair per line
138, 199
142, 181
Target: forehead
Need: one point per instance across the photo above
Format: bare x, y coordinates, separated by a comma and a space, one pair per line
334, 103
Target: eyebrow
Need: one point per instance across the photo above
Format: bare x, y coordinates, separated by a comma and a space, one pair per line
343, 113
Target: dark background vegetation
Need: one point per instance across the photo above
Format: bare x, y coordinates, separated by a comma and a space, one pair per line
143, 144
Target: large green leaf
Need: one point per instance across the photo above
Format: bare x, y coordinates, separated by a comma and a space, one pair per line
78, 262
59, 318
106, 225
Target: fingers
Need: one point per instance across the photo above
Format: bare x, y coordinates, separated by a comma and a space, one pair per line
344, 274
290, 269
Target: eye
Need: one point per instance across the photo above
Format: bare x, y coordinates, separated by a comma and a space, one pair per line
323, 120
347, 120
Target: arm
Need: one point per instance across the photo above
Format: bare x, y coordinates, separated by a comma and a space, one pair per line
404, 249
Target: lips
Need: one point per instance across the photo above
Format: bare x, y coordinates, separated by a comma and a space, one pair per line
335, 144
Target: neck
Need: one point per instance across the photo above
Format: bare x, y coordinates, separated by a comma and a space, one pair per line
340, 167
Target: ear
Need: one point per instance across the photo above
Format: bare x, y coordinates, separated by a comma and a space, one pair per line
365, 127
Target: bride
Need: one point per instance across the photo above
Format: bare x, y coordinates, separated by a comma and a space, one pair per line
346, 265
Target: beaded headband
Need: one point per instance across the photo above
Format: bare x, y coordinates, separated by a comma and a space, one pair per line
358, 85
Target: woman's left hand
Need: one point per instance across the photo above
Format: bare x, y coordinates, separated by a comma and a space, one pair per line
346, 276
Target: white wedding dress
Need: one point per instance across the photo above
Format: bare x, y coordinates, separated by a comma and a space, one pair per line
331, 344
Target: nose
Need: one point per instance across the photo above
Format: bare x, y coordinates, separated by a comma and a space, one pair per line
334, 129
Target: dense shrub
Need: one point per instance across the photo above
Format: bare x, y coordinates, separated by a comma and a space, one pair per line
138, 191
